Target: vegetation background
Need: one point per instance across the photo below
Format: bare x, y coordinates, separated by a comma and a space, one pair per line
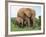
37, 25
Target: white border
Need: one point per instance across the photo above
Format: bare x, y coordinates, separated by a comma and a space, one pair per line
24, 32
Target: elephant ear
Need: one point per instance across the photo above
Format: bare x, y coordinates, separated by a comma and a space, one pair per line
28, 12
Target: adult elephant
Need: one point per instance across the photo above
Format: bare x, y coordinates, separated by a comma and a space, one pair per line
27, 14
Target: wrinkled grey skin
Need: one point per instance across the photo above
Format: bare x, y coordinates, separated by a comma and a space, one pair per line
28, 15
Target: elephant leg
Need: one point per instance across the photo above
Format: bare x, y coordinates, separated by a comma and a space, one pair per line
22, 23
33, 21
29, 22
26, 23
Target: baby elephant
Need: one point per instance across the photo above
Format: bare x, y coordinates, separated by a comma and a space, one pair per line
19, 21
